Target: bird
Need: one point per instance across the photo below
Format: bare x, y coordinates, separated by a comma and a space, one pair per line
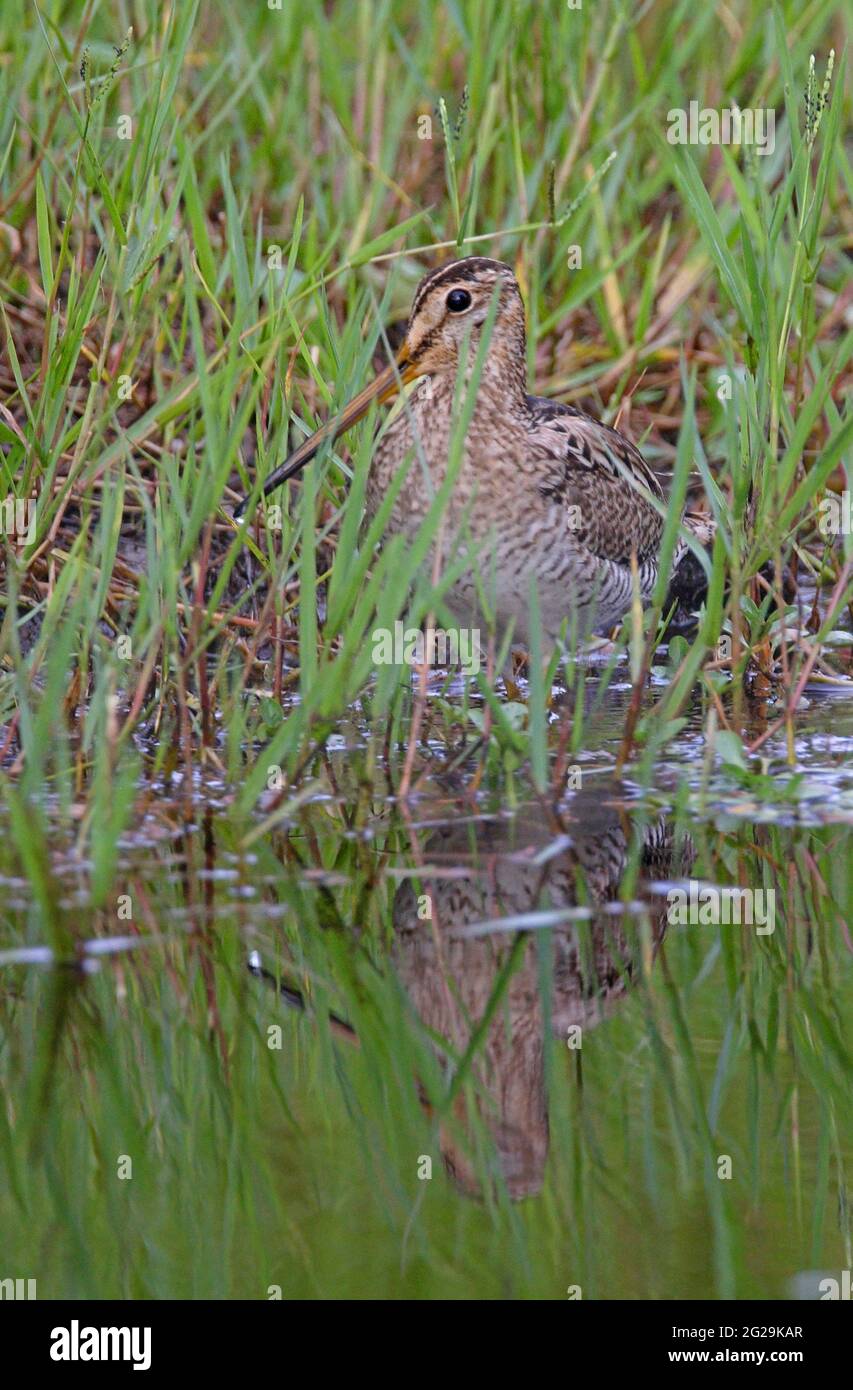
544, 495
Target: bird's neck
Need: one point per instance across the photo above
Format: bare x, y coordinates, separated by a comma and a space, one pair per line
501, 380
504, 375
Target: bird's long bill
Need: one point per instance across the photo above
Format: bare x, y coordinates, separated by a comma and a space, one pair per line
383, 388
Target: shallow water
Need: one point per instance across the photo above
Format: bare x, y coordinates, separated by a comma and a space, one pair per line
463, 1045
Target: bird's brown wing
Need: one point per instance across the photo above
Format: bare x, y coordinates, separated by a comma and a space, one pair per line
606, 510
594, 445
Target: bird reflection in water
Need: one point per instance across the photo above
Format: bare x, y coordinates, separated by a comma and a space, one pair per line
449, 965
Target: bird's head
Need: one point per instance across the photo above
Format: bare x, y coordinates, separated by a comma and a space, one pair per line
449, 309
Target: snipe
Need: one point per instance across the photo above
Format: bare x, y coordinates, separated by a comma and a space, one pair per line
544, 494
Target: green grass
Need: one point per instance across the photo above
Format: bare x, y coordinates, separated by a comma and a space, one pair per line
171, 302
146, 270
242, 1177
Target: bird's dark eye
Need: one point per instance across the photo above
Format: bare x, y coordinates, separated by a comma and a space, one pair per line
458, 301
